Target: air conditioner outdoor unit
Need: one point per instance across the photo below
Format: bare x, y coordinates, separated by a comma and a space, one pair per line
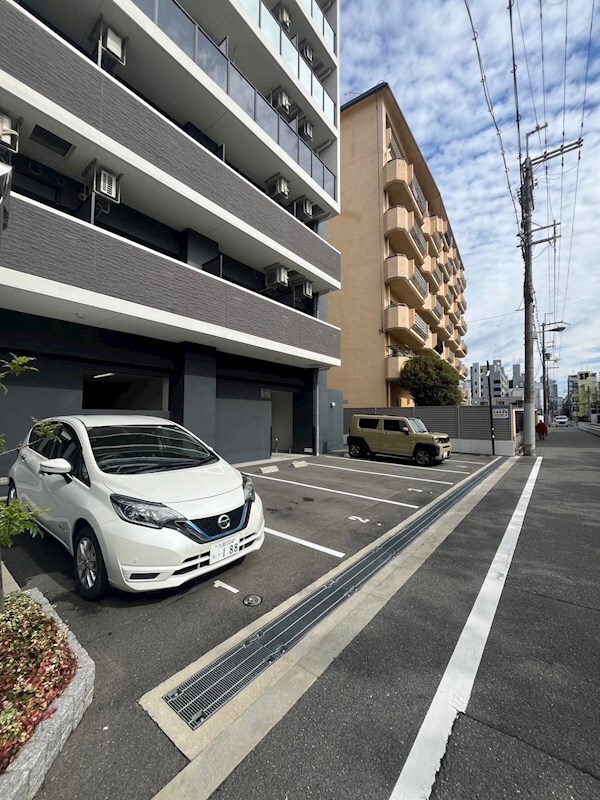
306, 130
9, 137
277, 276
281, 101
303, 209
284, 17
305, 289
279, 188
307, 52
113, 44
107, 185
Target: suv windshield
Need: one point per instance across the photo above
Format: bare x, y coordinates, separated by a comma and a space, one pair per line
132, 449
417, 425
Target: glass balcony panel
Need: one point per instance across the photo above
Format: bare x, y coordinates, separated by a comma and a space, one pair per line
305, 75
252, 8
329, 35
270, 28
329, 108
147, 6
317, 91
289, 54
307, 5
241, 91
211, 60
177, 25
329, 182
288, 139
267, 117
317, 169
318, 17
305, 157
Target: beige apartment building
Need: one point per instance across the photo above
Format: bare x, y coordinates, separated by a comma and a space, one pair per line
403, 280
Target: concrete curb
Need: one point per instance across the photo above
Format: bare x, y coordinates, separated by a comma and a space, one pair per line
26, 773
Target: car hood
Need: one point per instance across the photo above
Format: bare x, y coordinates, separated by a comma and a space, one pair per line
177, 486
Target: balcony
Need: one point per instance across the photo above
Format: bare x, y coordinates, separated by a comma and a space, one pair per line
430, 228
428, 348
444, 298
403, 188
462, 350
110, 282
285, 47
445, 330
406, 325
405, 280
432, 273
462, 304
461, 327
431, 310
439, 324
393, 366
446, 267
454, 315
403, 234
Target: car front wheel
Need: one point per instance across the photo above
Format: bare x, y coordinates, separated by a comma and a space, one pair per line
90, 573
355, 450
423, 457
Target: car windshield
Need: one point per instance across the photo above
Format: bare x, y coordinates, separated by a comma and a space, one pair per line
417, 425
133, 449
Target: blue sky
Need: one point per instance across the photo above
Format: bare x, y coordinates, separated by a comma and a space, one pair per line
425, 50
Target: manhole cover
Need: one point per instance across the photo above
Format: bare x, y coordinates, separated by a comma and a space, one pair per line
252, 600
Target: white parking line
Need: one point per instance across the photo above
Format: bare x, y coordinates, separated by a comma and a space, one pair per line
452, 696
475, 463
384, 474
221, 585
335, 491
306, 543
412, 466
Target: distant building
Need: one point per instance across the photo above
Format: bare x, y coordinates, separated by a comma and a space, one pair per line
587, 394
498, 380
518, 378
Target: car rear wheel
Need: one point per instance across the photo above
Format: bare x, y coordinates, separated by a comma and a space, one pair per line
423, 457
356, 450
90, 573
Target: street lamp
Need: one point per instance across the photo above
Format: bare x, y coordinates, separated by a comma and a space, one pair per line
555, 327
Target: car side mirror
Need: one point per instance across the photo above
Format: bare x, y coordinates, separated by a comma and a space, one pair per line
55, 466
405, 430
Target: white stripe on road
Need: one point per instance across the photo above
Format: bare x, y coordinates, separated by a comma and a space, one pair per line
475, 463
384, 474
418, 774
412, 466
306, 543
334, 491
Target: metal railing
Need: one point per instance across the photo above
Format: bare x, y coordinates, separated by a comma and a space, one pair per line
192, 40
420, 282
437, 239
419, 196
420, 326
417, 235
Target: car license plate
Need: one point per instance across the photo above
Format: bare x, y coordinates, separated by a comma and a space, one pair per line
224, 549
446, 454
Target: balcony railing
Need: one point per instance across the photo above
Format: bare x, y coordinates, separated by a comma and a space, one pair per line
420, 282
421, 327
417, 235
415, 187
190, 38
324, 28
437, 239
267, 22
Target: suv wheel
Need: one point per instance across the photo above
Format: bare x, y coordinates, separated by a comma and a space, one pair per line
90, 572
356, 450
423, 457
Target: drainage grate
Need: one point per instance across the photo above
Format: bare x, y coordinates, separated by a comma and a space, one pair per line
196, 699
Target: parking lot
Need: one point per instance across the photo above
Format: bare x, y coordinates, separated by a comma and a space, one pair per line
319, 511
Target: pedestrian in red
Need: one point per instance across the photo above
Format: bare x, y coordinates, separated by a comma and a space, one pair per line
541, 429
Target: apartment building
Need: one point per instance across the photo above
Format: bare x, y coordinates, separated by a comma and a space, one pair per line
174, 166
404, 281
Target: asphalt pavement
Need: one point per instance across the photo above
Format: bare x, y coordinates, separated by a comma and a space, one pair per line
529, 728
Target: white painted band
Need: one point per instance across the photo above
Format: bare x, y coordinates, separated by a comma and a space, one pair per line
306, 543
335, 491
384, 474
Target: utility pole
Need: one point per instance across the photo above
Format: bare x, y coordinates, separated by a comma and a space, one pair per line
527, 206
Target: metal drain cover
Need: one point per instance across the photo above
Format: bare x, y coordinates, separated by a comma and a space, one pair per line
252, 600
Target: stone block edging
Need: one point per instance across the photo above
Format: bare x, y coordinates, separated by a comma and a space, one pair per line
26, 772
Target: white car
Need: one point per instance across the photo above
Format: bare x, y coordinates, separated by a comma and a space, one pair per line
139, 502
560, 419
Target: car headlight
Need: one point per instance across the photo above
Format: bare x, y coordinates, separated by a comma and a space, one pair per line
437, 439
248, 486
141, 512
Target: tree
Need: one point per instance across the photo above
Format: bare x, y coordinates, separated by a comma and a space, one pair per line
17, 517
431, 382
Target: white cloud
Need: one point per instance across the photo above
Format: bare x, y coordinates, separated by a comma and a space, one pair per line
425, 51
